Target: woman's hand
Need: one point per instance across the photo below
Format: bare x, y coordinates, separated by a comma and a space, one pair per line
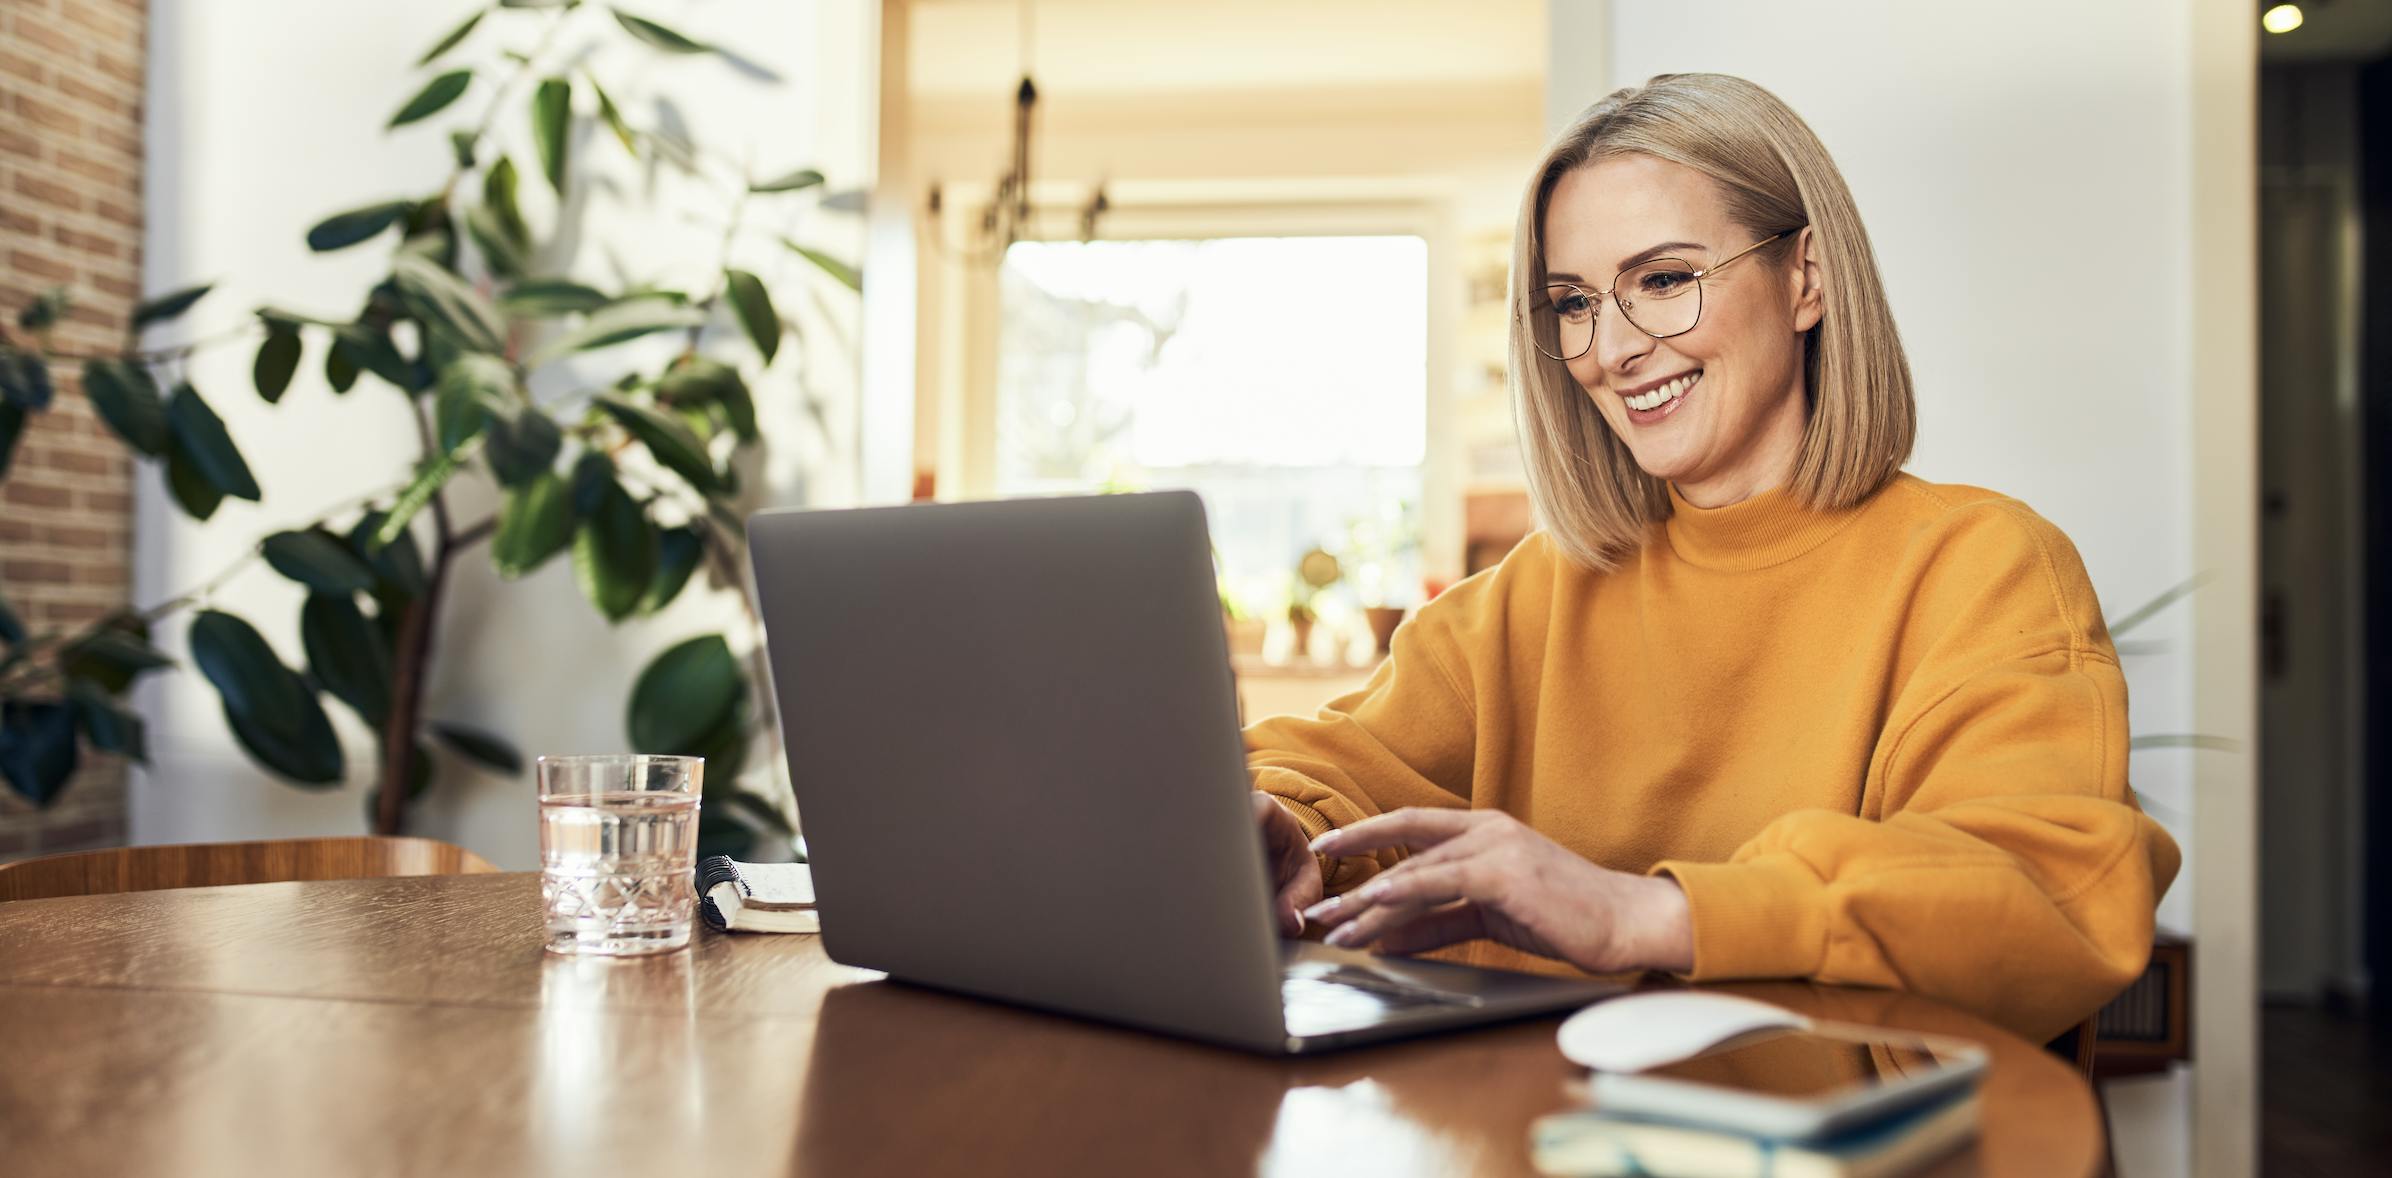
1295, 874
1483, 873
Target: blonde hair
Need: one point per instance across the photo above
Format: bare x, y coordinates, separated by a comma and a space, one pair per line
1776, 178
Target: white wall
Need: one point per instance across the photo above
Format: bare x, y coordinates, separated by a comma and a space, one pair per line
266, 116
2027, 174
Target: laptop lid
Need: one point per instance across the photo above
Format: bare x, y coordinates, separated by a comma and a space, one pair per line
1013, 735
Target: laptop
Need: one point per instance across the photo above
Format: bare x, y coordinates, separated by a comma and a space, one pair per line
1014, 738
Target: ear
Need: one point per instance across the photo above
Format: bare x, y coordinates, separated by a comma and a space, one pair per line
1808, 281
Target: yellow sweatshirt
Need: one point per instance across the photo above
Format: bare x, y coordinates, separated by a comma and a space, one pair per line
1883, 746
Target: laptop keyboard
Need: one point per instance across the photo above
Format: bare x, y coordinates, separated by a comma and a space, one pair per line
1341, 997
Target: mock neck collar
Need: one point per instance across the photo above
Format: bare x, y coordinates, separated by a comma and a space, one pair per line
1767, 529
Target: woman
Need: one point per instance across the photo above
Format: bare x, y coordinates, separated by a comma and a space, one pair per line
1752, 703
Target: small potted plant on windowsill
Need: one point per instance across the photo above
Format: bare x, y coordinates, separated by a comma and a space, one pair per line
1315, 572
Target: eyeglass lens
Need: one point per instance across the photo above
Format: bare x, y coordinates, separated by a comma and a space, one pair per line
1661, 298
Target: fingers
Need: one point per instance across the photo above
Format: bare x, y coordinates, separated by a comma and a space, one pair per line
1392, 900
1415, 827
1295, 876
1296, 895
1435, 929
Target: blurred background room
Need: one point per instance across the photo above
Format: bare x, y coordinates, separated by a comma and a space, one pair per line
271, 567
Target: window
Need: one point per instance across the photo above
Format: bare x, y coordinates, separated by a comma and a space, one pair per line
1283, 379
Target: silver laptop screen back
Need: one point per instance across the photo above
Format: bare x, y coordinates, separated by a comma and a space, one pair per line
1013, 735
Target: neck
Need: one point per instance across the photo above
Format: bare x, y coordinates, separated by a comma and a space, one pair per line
1765, 464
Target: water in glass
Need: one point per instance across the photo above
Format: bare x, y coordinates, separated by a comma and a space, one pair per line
615, 870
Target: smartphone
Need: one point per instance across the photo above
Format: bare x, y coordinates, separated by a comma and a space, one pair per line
1798, 1085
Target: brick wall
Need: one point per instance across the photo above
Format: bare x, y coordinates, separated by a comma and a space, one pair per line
70, 215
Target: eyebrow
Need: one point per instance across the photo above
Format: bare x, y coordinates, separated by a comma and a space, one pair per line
1638, 258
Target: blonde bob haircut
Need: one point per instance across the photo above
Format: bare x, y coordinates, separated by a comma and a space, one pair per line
1776, 178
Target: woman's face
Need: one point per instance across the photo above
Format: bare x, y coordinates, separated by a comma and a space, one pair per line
1735, 428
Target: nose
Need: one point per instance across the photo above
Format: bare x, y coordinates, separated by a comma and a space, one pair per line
1618, 343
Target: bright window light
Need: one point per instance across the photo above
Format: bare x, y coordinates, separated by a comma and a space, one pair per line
1284, 379
2283, 18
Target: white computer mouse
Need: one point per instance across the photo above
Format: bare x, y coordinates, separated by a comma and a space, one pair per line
1639, 1031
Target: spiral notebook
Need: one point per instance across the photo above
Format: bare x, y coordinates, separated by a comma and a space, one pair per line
756, 897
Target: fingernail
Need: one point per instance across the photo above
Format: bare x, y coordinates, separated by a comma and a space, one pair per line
1321, 845
1323, 908
1343, 935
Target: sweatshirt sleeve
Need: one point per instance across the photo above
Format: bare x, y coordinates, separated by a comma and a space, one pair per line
1405, 738
2000, 862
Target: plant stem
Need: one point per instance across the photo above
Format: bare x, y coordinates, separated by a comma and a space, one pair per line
153, 355
408, 678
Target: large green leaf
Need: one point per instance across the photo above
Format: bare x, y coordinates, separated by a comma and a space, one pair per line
398, 564
535, 522
697, 382
372, 351
684, 695
625, 319
348, 654
668, 440
552, 115
342, 230
341, 365
271, 710
199, 439
593, 473
549, 297
488, 748
614, 554
612, 115
800, 179
318, 560
168, 306
198, 497
489, 235
436, 95
454, 37
124, 395
113, 655
306, 755
658, 35
677, 553
521, 446
37, 749
243, 669
846, 275
472, 388
756, 313
25, 379
499, 186
110, 726
12, 427
277, 359
444, 301
725, 746
427, 482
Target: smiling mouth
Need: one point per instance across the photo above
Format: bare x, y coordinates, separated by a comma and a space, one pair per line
1664, 394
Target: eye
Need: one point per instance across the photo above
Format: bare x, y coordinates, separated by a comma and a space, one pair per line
1662, 283
1573, 305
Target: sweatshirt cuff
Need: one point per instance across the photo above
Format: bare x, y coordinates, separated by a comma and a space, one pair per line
1314, 823
1764, 917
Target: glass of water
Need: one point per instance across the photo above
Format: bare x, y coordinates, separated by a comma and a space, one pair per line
618, 841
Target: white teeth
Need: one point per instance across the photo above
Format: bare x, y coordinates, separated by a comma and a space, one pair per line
1665, 394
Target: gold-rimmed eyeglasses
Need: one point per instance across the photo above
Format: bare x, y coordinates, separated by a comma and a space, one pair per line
1661, 298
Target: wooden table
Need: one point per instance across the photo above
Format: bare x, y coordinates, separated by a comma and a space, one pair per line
413, 1026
